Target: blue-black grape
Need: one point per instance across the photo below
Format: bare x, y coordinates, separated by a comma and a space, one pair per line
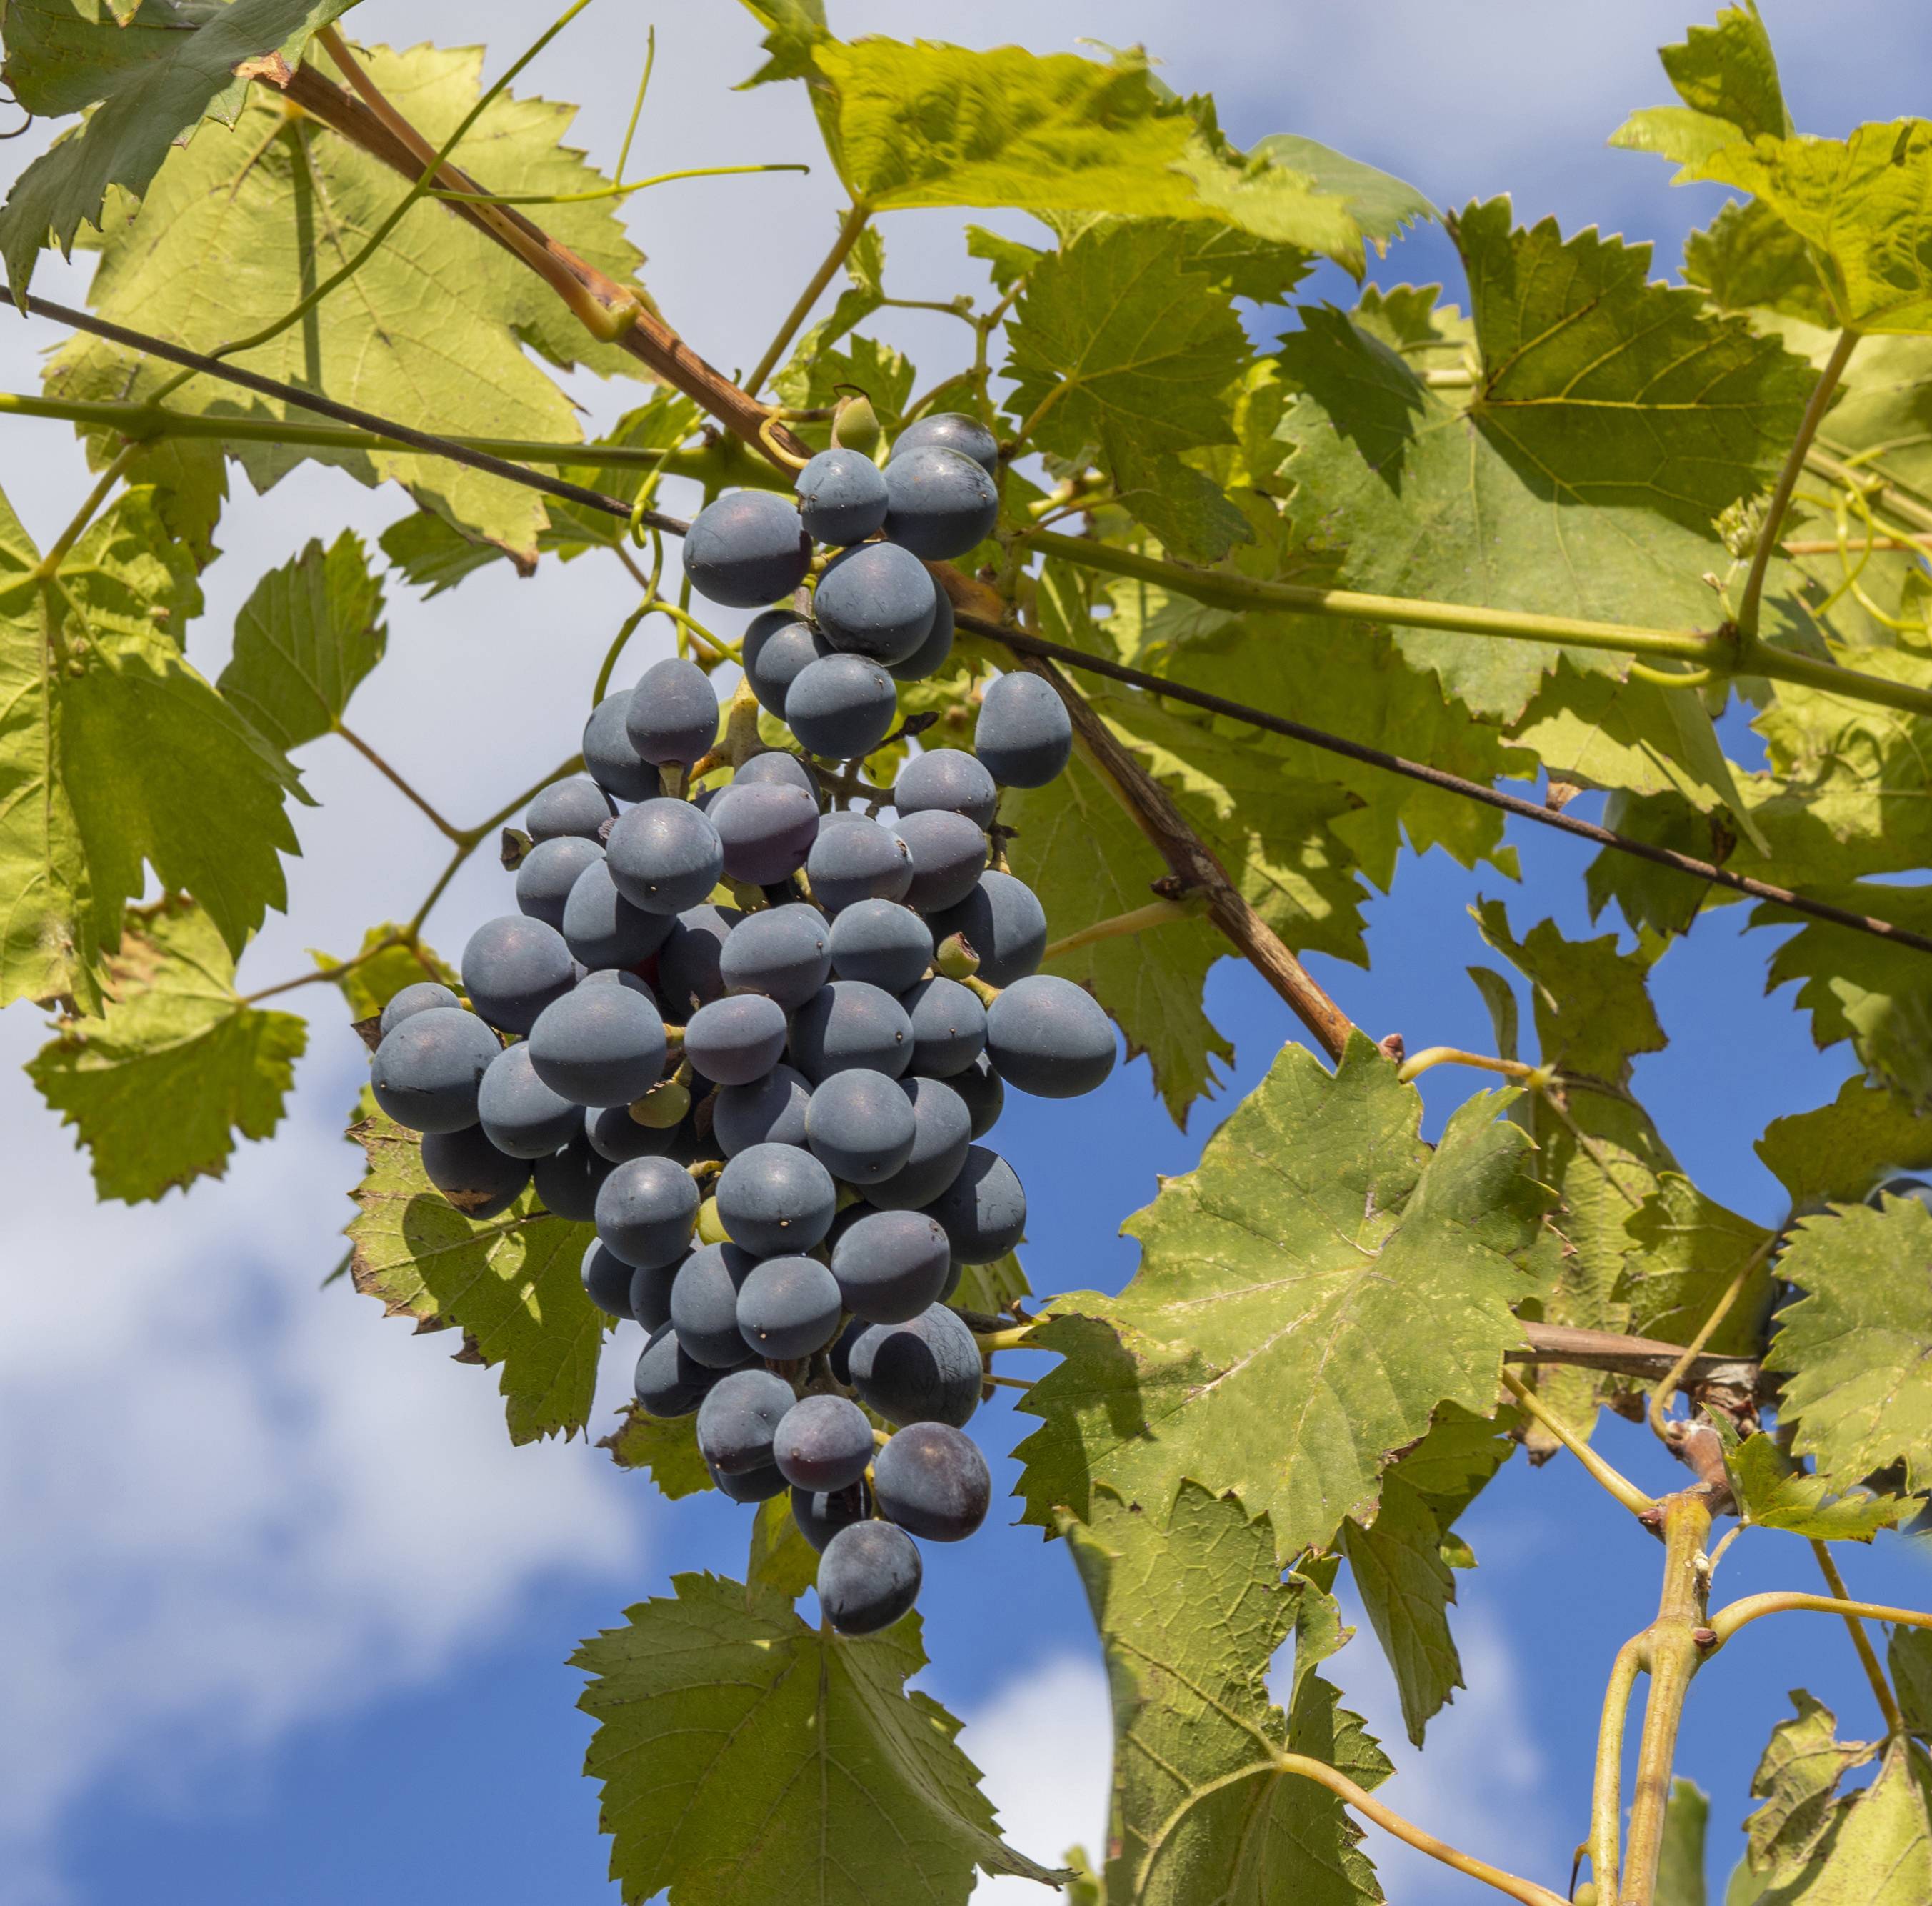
949, 854
841, 706
669, 1381
1049, 1037
664, 855
418, 997
777, 645
821, 1514
931, 655
576, 807
783, 953
770, 1111
428, 1072
928, 1370
614, 765
882, 942
549, 871
842, 496
618, 976
947, 780
777, 764
599, 1045
650, 1289
942, 1131
983, 1210
876, 601
765, 829
646, 1210
1024, 734
689, 974
949, 1026
867, 1578
746, 549
1003, 921
606, 1281
758, 1485
854, 859
568, 1180
859, 1126
615, 1135
739, 1417
513, 967
1914, 1188
602, 929
891, 1265
704, 1304
931, 1480
733, 1041
674, 713
477, 1178
952, 430
938, 503
788, 1308
522, 1115
849, 1025
823, 1444
774, 1199
984, 1093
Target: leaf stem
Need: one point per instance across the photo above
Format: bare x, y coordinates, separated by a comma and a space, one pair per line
850, 227
1391, 1822
1156, 913
1018, 1338
447, 828
1607, 1792
608, 191
1728, 1620
335, 972
62, 545
1822, 394
1430, 1056
1881, 1687
1612, 1480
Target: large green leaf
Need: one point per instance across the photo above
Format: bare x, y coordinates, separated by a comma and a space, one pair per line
1685, 1251
308, 633
1614, 418
745, 1757
116, 757
1726, 75
1909, 1659
511, 1285
1838, 1152
666, 1449
1747, 259
1306, 1299
159, 1082
1188, 1597
239, 227
1680, 1866
1798, 1781
1773, 1492
151, 84
1877, 1851
1856, 1349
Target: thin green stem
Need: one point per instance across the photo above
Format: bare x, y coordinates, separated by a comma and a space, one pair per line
626, 629
1659, 1398
1156, 913
1787, 480
1728, 1620
623, 191
379, 237
993, 1340
448, 829
62, 545
1612, 1480
850, 227
335, 972
1881, 1687
638, 104
1606, 1793
1412, 1068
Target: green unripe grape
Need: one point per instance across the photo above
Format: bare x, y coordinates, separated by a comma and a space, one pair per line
710, 1228
662, 1107
855, 425
955, 959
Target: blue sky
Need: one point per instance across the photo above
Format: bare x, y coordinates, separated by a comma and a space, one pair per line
287, 1618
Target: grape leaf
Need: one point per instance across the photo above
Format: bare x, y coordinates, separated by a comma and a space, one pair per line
1684, 1251
1191, 1607
1748, 259
1909, 1658
817, 380
510, 1284
159, 1083
1855, 1349
1680, 1866
1306, 1299
1797, 1779
114, 754
745, 1756
1877, 1851
989, 1288
1660, 898
1838, 1152
1614, 418
1726, 75
151, 84
308, 633
782, 1561
370, 984
432, 328
1775, 1493
666, 1447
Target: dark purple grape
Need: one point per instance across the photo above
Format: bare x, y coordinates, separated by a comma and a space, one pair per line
1049, 1037
673, 713
841, 706
419, 997
614, 765
664, 855
823, 1444
428, 1072
615, 1135
599, 1045
949, 1026
770, 1111
704, 1304
926, 1370
1024, 734
867, 1578
947, 780
859, 1126
520, 1113
1003, 923
983, 1210
758, 1485
746, 549
880, 942
733, 1041
821, 1514
669, 1382
618, 976
854, 859
775, 1199
938, 503
782, 952
687, 968
607, 1282
777, 646
942, 1132
602, 929
576, 807
739, 1417
650, 1289
841, 497
549, 871
984, 1096
513, 967
951, 430
891, 1265
931, 655
850, 1026
765, 829
477, 1178
776, 765
646, 1210
839, 1357
949, 854
931, 1479
568, 1180
876, 601
788, 1308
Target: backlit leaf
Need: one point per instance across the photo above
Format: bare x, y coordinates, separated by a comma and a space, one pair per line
666, 1448
1839, 1151
373, 981
1775, 1493
1798, 1780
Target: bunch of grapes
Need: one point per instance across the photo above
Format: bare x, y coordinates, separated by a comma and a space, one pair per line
771, 1109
